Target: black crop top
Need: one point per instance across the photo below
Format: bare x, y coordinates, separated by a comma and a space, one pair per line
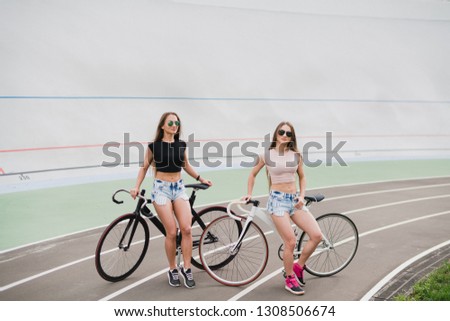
168, 157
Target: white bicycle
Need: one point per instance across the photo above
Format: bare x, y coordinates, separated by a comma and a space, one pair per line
240, 252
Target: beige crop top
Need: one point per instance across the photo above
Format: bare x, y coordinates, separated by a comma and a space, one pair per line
282, 167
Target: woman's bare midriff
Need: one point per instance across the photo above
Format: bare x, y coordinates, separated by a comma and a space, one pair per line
284, 187
168, 177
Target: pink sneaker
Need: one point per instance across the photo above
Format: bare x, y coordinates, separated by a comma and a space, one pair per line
298, 270
292, 285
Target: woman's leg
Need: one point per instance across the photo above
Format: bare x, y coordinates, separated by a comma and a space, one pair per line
284, 228
165, 213
306, 221
184, 217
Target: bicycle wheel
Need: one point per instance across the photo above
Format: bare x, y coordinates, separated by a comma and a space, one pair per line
206, 215
338, 247
122, 247
239, 267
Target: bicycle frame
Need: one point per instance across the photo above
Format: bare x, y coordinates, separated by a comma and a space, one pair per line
254, 211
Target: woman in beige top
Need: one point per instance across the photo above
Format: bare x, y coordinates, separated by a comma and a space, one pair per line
283, 162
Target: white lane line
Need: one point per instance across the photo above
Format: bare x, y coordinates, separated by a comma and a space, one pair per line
160, 236
400, 268
133, 285
403, 222
33, 277
276, 272
396, 203
11, 285
385, 191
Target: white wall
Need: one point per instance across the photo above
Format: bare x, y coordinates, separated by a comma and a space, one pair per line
78, 74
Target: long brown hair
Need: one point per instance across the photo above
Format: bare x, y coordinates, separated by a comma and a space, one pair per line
160, 132
292, 145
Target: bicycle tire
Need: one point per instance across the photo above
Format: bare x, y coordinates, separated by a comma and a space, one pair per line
113, 261
241, 267
207, 215
343, 236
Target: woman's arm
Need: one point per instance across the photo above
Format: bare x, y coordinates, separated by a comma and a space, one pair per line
302, 183
252, 177
142, 172
302, 179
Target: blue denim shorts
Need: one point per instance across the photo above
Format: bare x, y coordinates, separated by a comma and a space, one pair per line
280, 203
164, 191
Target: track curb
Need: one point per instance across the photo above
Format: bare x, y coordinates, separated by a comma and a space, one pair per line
403, 281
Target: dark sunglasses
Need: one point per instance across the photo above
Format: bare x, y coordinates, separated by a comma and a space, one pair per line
281, 132
171, 123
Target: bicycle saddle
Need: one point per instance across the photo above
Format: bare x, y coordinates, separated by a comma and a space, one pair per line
197, 186
315, 198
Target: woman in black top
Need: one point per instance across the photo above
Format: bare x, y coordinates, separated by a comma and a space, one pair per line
168, 154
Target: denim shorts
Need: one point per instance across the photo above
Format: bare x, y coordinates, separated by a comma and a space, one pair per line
280, 203
164, 191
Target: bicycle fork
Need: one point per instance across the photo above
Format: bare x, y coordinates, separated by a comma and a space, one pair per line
133, 225
248, 221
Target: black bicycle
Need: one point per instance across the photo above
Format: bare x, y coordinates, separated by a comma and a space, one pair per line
124, 243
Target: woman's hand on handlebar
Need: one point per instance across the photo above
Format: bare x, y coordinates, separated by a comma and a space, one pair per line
205, 181
134, 192
246, 198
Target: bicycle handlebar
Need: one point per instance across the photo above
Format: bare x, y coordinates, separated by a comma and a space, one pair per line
239, 202
234, 217
139, 196
196, 187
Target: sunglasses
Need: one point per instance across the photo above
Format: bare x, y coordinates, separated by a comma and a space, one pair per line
171, 123
281, 132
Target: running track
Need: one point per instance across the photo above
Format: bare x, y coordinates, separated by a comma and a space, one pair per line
397, 220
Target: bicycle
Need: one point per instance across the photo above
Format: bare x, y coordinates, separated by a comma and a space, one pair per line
244, 245
124, 243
